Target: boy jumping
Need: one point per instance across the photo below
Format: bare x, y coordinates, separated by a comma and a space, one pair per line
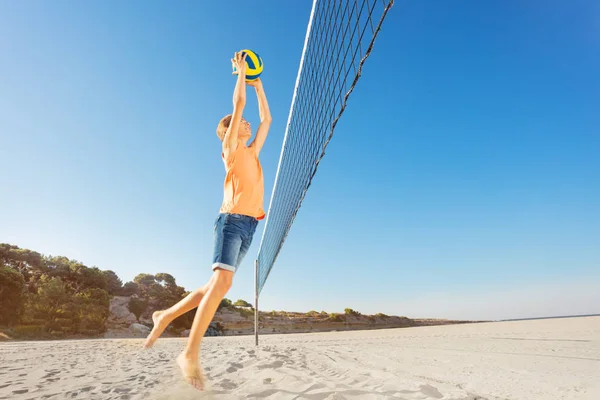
240, 212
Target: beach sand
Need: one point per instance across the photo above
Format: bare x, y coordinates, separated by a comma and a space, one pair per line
539, 359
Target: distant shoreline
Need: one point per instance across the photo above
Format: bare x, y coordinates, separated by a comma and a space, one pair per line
554, 317
342, 327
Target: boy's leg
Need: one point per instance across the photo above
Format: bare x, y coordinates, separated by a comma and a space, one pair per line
233, 235
163, 318
188, 359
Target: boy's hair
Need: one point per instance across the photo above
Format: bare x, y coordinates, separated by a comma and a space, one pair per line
223, 126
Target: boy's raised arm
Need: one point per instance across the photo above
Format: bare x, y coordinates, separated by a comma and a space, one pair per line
265, 115
239, 102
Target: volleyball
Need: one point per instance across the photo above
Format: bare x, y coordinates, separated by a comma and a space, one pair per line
254, 65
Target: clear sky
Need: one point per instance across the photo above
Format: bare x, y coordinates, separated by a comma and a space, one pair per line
463, 180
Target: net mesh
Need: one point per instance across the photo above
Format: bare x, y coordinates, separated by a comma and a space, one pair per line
340, 38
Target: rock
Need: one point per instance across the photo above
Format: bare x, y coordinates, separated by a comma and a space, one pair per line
211, 331
119, 313
140, 329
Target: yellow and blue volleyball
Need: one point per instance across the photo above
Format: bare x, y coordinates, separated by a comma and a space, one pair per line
254, 65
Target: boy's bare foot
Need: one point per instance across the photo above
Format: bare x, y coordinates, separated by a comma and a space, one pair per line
190, 371
159, 326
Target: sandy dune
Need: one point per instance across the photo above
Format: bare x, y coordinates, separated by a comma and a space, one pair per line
543, 359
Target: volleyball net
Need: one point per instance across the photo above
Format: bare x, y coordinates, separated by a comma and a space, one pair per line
339, 39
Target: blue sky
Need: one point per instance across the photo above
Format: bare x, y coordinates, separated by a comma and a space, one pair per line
462, 181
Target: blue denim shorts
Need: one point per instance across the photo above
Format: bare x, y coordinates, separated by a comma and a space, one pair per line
233, 237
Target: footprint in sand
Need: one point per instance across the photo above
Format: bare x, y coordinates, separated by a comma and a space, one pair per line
50, 373
234, 367
227, 384
274, 364
431, 391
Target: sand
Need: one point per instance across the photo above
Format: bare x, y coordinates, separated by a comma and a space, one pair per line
540, 359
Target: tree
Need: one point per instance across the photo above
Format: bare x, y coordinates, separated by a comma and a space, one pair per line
130, 289
83, 277
113, 283
93, 310
165, 278
242, 303
160, 290
58, 267
52, 296
23, 260
12, 295
148, 287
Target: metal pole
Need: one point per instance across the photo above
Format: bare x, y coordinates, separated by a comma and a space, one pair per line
256, 302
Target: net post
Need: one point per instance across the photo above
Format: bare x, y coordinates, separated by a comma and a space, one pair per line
256, 302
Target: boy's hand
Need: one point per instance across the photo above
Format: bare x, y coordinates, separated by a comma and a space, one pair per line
239, 63
257, 83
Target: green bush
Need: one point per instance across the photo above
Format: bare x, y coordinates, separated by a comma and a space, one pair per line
349, 311
242, 303
90, 332
225, 303
334, 317
244, 312
93, 317
53, 326
29, 331
64, 322
12, 295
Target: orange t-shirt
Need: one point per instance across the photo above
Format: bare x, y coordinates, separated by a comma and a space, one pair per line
244, 183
